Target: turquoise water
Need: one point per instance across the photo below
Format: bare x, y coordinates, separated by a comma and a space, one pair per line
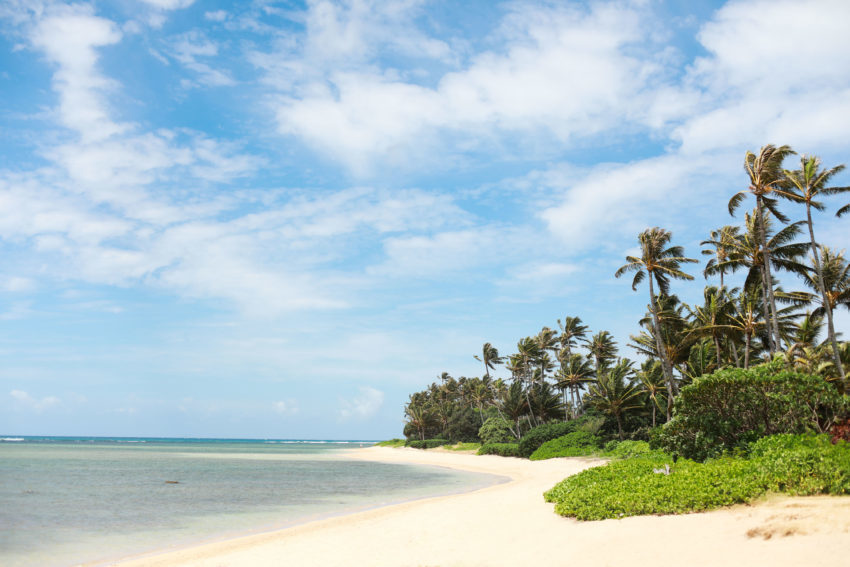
66, 501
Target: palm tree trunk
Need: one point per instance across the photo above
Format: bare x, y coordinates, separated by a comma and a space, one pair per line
768, 280
734, 350
620, 426
717, 351
662, 351
830, 328
746, 351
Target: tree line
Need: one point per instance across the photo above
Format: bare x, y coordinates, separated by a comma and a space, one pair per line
569, 371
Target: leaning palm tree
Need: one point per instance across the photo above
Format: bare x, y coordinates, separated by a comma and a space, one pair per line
766, 175
661, 263
490, 357
528, 351
420, 417
805, 185
722, 241
612, 394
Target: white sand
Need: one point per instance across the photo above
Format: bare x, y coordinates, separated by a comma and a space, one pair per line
510, 525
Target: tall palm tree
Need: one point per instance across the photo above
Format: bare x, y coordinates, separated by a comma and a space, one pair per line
805, 185
572, 331
766, 175
747, 252
602, 348
547, 340
661, 263
420, 416
836, 284
614, 395
528, 351
490, 357
721, 240
575, 372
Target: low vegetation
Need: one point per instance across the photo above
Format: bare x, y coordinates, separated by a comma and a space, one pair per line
655, 483
501, 449
391, 443
575, 444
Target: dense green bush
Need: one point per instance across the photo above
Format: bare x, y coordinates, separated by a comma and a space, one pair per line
626, 449
731, 408
575, 444
632, 488
426, 444
391, 443
501, 449
496, 430
795, 464
536, 436
803, 464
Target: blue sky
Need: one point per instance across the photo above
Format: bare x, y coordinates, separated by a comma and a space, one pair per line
278, 219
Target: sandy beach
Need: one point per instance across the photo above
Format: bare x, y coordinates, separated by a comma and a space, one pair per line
509, 524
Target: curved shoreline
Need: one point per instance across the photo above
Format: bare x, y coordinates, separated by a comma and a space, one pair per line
509, 524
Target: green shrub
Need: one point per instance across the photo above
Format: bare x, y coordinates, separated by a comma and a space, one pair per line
501, 449
536, 436
391, 443
575, 444
626, 449
794, 464
803, 464
632, 488
426, 444
496, 430
731, 408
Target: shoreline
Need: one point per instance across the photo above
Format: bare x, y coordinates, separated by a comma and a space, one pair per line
509, 524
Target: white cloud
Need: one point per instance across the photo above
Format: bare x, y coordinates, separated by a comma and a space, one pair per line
23, 399
563, 72
285, 407
216, 16
362, 406
169, 4
189, 48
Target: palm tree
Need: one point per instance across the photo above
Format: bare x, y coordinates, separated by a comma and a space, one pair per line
835, 274
575, 371
572, 331
709, 317
419, 416
766, 175
611, 393
748, 252
804, 186
545, 404
528, 351
490, 357
547, 340
651, 377
513, 406
661, 264
602, 348
722, 241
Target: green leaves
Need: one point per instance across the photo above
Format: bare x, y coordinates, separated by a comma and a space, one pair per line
794, 464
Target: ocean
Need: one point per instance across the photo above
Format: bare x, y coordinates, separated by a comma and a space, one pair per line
71, 500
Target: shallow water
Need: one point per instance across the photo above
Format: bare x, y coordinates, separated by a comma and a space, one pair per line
70, 501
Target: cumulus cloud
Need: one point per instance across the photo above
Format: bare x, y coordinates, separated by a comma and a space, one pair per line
362, 406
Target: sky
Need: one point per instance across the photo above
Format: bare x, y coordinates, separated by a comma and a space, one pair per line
278, 219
